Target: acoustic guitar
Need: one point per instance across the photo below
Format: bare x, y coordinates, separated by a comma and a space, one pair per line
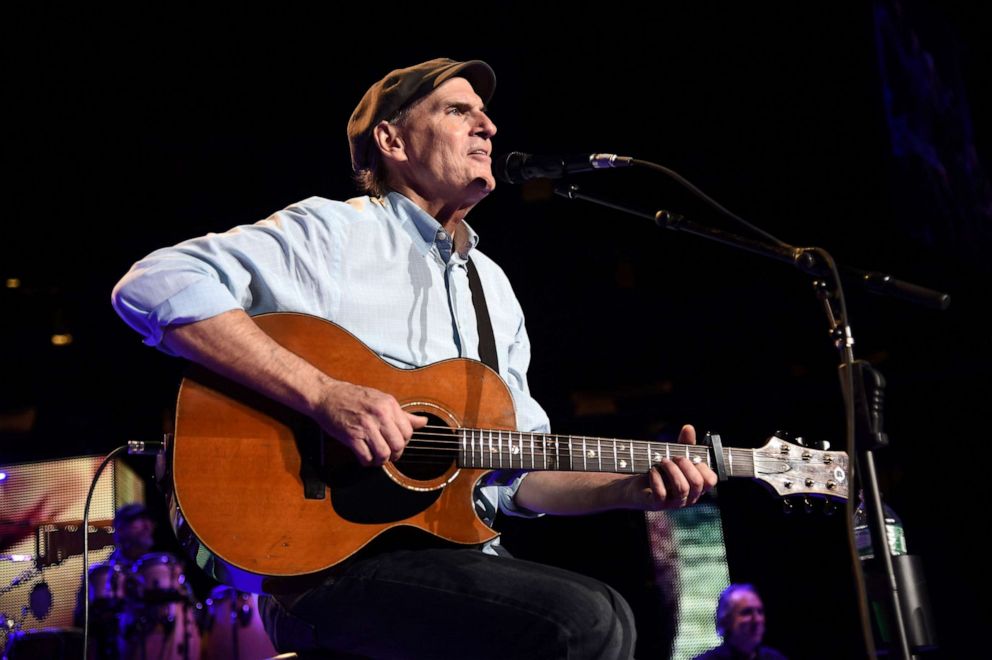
262, 499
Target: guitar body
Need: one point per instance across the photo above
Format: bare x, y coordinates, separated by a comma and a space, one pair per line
264, 501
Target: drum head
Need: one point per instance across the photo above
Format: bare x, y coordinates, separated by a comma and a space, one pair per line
107, 582
159, 578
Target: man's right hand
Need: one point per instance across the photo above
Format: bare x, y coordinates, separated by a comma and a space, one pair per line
368, 422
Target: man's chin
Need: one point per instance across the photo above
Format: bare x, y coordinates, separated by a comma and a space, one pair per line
482, 186
747, 643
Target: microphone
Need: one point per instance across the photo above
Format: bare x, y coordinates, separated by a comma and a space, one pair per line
516, 167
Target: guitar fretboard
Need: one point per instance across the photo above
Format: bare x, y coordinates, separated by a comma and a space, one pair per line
495, 450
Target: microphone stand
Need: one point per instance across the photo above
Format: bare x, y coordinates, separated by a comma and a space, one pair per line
861, 385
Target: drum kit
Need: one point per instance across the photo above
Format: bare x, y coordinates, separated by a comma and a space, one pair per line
147, 610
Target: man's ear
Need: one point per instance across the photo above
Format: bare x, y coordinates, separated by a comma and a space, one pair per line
389, 141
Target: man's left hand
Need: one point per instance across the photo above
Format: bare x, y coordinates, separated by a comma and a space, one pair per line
675, 483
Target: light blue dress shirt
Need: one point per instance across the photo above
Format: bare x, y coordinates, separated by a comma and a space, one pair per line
382, 268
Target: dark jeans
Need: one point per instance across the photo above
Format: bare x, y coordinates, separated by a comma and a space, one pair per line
446, 603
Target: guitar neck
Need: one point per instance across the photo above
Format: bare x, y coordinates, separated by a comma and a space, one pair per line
513, 450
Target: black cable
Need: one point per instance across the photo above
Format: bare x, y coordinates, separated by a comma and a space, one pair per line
86, 546
688, 185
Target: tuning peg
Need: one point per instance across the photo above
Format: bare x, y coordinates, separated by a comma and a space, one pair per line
788, 508
822, 445
789, 437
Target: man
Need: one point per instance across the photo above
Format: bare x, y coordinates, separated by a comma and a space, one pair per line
394, 268
740, 620
110, 582
134, 531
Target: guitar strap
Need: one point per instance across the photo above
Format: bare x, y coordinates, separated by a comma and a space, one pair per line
487, 340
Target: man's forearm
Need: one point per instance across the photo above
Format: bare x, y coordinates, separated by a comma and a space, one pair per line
232, 345
368, 422
576, 493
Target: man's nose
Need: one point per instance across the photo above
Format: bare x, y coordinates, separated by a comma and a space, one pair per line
485, 127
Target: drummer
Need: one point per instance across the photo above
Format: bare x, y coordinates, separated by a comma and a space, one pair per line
134, 531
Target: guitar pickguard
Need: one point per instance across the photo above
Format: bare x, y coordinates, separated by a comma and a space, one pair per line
369, 496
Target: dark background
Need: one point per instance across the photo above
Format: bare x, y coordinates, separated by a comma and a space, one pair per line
824, 124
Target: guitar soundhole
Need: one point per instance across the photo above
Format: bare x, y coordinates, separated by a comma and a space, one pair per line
430, 452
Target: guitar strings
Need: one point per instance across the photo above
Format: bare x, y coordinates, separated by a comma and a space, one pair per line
482, 439
422, 445
483, 436
497, 460
432, 439
424, 456
635, 468
427, 448
448, 441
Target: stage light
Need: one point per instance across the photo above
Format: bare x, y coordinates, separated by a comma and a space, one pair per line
61, 339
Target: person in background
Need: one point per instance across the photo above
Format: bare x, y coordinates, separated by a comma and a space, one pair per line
110, 581
740, 620
134, 532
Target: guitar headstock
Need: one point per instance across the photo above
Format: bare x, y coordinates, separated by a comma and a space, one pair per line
790, 468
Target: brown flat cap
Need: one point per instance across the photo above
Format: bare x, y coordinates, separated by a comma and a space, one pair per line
404, 86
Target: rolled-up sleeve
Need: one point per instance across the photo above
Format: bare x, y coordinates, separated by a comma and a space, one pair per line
278, 264
500, 488
158, 292
508, 503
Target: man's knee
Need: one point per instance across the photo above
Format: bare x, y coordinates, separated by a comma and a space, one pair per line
598, 624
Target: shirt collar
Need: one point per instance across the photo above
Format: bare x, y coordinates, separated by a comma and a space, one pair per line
430, 230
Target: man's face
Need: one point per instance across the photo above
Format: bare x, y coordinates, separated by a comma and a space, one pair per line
746, 622
136, 537
448, 145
